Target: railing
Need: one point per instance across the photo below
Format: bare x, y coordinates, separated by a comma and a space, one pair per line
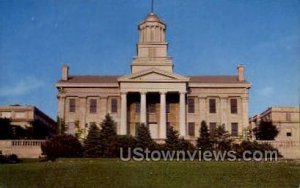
27, 142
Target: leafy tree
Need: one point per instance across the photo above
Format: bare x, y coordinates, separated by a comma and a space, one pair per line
66, 146
204, 141
221, 139
108, 137
40, 130
265, 131
172, 141
92, 142
143, 137
5, 129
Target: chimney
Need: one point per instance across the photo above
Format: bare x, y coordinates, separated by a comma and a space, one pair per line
65, 72
241, 71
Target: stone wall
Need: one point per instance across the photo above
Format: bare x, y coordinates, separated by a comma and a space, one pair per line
22, 148
289, 149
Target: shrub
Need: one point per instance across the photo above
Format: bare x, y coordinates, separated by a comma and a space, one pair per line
62, 146
125, 142
204, 141
9, 159
252, 146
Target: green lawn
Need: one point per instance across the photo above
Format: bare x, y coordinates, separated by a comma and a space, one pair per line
114, 173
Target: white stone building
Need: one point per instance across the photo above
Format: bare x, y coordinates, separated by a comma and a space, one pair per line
153, 94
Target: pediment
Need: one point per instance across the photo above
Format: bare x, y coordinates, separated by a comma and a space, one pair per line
154, 75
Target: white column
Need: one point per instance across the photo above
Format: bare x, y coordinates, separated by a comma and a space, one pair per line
182, 126
245, 117
123, 128
143, 110
162, 126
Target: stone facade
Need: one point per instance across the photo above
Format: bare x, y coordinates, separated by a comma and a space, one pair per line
153, 94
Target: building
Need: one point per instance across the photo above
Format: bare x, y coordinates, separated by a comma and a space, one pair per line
25, 116
153, 94
286, 119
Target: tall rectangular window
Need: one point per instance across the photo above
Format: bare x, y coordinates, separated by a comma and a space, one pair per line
212, 106
72, 105
233, 106
114, 106
191, 105
212, 127
137, 107
151, 108
234, 129
191, 129
93, 105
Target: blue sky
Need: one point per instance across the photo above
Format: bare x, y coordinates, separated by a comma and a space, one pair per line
99, 36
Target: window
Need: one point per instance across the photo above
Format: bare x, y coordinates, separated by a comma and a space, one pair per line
151, 108
234, 129
168, 108
288, 117
212, 127
191, 106
72, 105
288, 132
114, 106
191, 129
93, 105
137, 107
233, 106
212, 105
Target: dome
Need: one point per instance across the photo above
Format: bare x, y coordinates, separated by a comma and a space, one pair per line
152, 18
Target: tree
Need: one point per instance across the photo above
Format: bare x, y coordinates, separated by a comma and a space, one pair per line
66, 146
204, 141
265, 131
221, 139
40, 130
92, 142
5, 129
108, 137
172, 141
143, 137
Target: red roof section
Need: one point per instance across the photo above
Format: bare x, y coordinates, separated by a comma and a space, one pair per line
114, 79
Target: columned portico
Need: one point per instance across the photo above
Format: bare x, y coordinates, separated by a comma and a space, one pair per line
123, 128
162, 125
182, 124
143, 110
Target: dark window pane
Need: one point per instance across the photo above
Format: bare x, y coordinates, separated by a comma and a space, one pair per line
191, 129
212, 105
93, 105
72, 105
234, 129
233, 106
212, 127
114, 105
151, 108
191, 106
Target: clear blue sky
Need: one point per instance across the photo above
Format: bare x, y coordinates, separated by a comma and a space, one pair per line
99, 36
